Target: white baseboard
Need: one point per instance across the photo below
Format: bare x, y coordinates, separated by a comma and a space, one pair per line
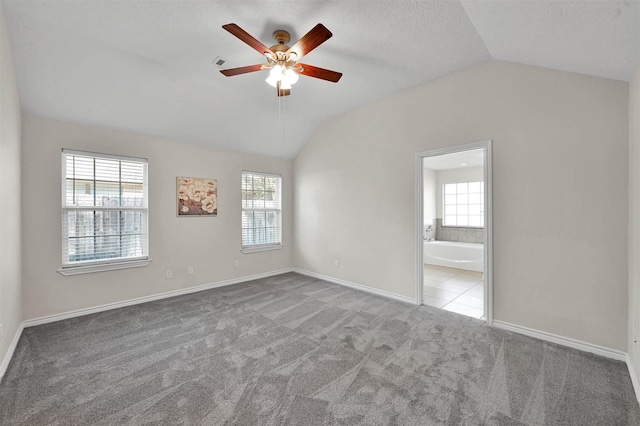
136, 301
564, 341
180, 292
634, 378
371, 290
12, 348
122, 304
549, 337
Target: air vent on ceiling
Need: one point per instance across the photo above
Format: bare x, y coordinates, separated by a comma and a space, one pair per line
219, 62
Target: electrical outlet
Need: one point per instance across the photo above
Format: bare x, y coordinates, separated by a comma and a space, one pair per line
336, 263
236, 263
168, 274
190, 270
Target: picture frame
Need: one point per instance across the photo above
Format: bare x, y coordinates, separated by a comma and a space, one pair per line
196, 196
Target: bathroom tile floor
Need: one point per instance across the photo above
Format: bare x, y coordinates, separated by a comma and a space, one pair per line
455, 290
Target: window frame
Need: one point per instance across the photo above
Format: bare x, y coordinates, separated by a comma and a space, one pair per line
444, 204
107, 264
252, 248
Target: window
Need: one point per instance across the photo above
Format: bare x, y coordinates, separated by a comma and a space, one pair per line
261, 211
464, 204
104, 212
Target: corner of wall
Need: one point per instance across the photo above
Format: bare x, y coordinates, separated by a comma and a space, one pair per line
633, 326
10, 204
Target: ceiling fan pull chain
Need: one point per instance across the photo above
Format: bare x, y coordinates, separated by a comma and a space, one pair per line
282, 116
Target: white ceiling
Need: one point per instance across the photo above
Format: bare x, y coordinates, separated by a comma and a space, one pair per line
146, 66
455, 160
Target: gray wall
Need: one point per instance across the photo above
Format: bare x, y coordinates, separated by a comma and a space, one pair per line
634, 229
429, 201
209, 244
560, 144
10, 192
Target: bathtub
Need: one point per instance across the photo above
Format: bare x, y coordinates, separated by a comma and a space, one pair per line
469, 256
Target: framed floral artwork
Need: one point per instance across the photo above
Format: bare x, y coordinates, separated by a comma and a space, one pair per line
197, 196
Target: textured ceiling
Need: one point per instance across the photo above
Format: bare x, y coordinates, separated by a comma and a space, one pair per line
146, 66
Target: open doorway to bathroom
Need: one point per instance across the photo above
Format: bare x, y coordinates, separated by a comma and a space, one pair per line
454, 230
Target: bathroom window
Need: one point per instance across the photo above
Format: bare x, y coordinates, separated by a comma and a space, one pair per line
104, 212
463, 204
261, 211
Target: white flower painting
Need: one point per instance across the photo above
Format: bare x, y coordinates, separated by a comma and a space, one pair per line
197, 196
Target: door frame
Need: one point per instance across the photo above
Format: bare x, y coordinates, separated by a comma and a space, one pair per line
488, 220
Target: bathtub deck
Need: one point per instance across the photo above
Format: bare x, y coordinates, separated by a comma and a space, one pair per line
455, 290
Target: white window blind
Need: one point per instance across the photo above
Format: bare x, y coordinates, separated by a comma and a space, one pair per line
104, 209
464, 204
261, 209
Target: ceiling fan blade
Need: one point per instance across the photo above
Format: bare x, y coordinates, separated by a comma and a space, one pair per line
241, 70
314, 38
247, 38
321, 73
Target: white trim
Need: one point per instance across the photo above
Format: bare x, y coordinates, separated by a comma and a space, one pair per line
68, 207
634, 378
278, 210
105, 208
253, 172
488, 219
122, 304
564, 341
419, 225
257, 249
139, 300
101, 267
444, 192
488, 235
10, 351
91, 154
377, 292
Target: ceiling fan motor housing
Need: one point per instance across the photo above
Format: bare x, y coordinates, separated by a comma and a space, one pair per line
281, 36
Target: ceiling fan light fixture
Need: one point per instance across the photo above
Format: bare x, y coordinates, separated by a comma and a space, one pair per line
275, 75
282, 74
272, 81
290, 76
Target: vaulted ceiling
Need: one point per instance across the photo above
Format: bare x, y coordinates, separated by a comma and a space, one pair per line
146, 66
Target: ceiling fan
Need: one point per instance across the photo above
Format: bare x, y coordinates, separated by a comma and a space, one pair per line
282, 60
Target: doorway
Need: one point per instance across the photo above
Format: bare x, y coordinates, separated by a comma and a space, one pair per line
454, 229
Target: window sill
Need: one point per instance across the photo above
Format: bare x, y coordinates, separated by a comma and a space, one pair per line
89, 269
465, 227
260, 248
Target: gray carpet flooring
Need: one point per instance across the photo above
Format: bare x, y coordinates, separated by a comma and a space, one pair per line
293, 350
